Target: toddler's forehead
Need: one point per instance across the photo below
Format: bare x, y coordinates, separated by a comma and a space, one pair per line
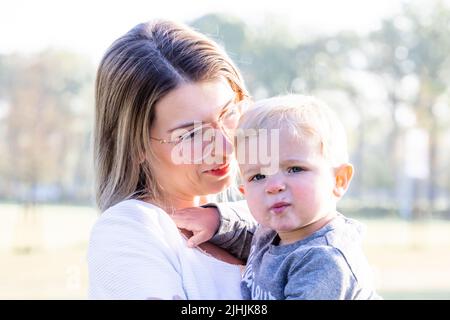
280, 136
260, 150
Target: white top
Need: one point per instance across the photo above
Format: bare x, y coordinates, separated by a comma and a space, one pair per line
136, 252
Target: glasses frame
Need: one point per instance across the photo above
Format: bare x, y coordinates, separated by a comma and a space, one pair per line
176, 141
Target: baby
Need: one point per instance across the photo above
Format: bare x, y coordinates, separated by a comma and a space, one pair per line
303, 248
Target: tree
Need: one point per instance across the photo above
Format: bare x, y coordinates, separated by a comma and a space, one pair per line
41, 126
414, 46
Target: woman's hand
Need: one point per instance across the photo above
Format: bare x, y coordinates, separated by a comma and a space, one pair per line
202, 222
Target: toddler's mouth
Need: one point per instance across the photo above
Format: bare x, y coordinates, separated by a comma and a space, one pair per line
279, 207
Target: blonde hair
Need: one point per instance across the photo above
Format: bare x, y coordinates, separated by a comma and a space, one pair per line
304, 117
138, 70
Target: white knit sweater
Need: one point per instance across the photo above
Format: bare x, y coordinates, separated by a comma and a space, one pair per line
136, 252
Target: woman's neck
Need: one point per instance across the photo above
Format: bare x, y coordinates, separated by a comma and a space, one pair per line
176, 203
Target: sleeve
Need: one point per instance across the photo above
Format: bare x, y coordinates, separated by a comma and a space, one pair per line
127, 261
322, 274
236, 229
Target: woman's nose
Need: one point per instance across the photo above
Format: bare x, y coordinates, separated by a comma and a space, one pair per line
222, 148
275, 185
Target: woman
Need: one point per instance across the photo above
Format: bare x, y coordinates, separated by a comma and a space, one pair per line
163, 92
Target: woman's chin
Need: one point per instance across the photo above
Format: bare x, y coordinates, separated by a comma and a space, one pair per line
213, 187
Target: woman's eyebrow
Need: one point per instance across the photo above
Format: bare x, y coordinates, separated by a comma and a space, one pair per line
191, 123
183, 126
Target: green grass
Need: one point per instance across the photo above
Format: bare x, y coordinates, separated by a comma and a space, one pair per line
416, 295
43, 254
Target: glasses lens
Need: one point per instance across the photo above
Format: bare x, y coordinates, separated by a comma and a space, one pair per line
193, 146
191, 135
230, 118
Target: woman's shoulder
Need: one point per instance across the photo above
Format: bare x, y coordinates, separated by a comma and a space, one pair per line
135, 211
132, 246
130, 219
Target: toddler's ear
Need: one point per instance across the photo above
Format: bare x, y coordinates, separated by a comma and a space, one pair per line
241, 189
343, 176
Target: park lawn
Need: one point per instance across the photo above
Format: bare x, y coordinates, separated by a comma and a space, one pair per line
43, 256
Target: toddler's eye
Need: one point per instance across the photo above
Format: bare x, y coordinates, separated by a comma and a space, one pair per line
295, 169
257, 177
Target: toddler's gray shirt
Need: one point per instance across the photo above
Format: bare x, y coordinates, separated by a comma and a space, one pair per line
329, 264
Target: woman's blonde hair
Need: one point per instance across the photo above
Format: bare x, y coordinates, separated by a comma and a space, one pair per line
138, 70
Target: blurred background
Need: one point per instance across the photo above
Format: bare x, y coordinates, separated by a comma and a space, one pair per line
383, 65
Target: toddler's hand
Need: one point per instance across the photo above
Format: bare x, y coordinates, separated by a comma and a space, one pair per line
202, 222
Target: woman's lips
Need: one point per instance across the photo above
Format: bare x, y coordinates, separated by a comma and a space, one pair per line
279, 207
220, 171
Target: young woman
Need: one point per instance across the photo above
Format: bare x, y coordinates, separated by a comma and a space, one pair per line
162, 91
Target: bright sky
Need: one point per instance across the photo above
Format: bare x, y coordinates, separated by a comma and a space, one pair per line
89, 27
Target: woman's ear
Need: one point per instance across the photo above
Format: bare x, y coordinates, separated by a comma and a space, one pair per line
343, 176
241, 189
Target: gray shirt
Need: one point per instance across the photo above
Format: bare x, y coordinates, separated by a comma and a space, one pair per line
329, 264
236, 230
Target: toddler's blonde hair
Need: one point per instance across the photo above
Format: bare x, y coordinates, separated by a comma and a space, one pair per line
305, 117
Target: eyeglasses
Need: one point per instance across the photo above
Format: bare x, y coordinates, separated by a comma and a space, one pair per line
196, 144
200, 133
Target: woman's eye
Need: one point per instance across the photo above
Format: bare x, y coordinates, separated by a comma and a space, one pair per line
257, 177
295, 169
192, 134
189, 135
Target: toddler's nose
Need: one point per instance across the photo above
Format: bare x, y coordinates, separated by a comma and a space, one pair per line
275, 186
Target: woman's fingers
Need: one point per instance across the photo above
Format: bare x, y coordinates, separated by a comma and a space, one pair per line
202, 222
198, 238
